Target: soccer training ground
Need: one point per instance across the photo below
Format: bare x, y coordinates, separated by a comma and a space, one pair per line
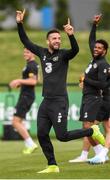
15, 165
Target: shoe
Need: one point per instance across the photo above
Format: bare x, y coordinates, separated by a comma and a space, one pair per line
29, 150
50, 169
97, 160
97, 135
106, 158
78, 160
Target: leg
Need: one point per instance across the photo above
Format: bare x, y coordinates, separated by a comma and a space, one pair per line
44, 125
107, 132
84, 154
22, 107
19, 126
86, 145
86, 125
102, 156
58, 110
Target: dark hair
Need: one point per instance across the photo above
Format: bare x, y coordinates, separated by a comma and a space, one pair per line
52, 31
105, 44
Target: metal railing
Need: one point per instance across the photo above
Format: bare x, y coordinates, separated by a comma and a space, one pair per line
6, 85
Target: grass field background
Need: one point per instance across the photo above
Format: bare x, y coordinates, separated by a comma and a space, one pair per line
11, 53
15, 165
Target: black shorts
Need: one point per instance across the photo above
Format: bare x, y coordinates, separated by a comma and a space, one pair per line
104, 111
90, 107
23, 105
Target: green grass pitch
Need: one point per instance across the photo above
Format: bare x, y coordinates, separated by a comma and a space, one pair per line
15, 165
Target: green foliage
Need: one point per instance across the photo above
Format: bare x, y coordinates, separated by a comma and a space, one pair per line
10, 7
13, 4
105, 10
16, 4
62, 13
41, 3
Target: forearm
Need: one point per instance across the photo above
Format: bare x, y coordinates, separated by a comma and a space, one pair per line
74, 45
25, 40
29, 81
97, 84
92, 37
23, 37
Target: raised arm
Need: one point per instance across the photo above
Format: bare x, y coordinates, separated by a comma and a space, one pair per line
68, 28
23, 37
92, 36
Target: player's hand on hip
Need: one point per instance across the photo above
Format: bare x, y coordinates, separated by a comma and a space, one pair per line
68, 28
20, 16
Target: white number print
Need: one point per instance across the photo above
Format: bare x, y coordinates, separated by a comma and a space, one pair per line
88, 68
48, 68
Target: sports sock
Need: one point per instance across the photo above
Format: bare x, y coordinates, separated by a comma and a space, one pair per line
29, 142
84, 154
103, 152
98, 148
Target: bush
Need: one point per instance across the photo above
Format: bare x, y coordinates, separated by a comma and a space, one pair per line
105, 10
61, 13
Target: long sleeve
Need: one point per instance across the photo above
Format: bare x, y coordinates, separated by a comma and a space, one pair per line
27, 43
97, 84
101, 82
71, 53
92, 38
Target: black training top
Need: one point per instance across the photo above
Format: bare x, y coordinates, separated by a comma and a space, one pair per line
96, 73
29, 70
54, 66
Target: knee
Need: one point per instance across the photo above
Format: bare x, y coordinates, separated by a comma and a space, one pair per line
15, 122
86, 125
41, 134
61, 137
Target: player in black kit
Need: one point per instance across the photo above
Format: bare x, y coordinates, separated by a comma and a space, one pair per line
96, 78
26, 98
53, 110
104, 112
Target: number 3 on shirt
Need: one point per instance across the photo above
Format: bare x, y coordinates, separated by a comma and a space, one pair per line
88, 68
48, 68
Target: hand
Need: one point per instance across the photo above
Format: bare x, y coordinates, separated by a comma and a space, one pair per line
81, 84
15, 83
20, 16
97, 18
68, 28
81, 79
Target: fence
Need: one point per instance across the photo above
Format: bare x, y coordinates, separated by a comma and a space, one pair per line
9, 98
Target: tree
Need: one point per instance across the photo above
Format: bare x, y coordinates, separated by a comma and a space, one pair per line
9, 7
16, 4
105, 10
62, 13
